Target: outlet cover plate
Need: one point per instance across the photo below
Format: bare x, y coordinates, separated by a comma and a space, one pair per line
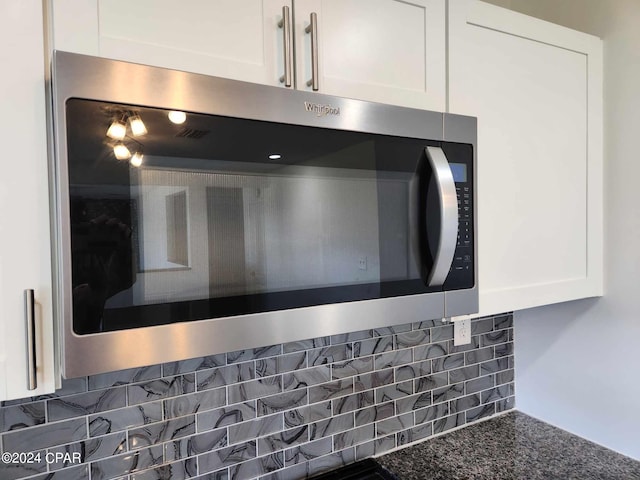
461, 330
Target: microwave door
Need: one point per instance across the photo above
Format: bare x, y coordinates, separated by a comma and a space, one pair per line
433, 217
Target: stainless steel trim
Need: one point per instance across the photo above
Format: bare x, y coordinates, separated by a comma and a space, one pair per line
103, 352
312, 29
79, 76
285, 24
463, 129
30, 317
83, 76
448, 216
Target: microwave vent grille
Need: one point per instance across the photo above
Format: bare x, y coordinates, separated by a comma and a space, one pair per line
192, 133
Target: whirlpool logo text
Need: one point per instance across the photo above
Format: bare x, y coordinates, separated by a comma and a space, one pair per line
321, 110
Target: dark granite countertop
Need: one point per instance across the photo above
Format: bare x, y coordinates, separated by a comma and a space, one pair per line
509, 447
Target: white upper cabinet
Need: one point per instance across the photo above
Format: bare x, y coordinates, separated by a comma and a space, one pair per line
536, 89
227, 38
25, 250
387, 51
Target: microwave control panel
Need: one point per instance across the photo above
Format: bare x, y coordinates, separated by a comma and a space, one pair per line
463, 258
462, 272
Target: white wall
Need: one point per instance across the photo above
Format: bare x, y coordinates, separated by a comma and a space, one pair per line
578, 364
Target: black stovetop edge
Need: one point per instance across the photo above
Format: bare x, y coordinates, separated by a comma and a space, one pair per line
367, 469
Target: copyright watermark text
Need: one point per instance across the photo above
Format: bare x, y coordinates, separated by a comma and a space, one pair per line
26, 458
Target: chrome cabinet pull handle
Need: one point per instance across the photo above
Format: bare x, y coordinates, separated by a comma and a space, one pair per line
312, 28
285, 25
448, 216
30, 316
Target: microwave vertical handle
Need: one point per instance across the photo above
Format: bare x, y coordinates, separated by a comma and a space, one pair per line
448, 237
285, 25
30, 317
312, 29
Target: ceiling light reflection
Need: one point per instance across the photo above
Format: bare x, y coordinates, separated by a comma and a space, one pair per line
136, 159
177, 117
138, 127
121, 152
117, 130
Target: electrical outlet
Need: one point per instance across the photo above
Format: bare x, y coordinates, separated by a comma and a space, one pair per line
362, 262
462, 331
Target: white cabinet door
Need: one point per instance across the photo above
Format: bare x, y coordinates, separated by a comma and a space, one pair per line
228, 38
25, 252
536, 89
388, 51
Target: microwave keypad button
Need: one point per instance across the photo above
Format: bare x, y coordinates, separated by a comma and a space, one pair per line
463, 259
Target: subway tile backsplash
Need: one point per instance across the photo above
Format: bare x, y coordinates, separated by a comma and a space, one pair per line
279, 412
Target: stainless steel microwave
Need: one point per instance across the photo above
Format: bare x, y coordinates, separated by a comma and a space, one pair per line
199, 215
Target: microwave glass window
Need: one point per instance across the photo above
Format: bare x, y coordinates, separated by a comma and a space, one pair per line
220, 216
